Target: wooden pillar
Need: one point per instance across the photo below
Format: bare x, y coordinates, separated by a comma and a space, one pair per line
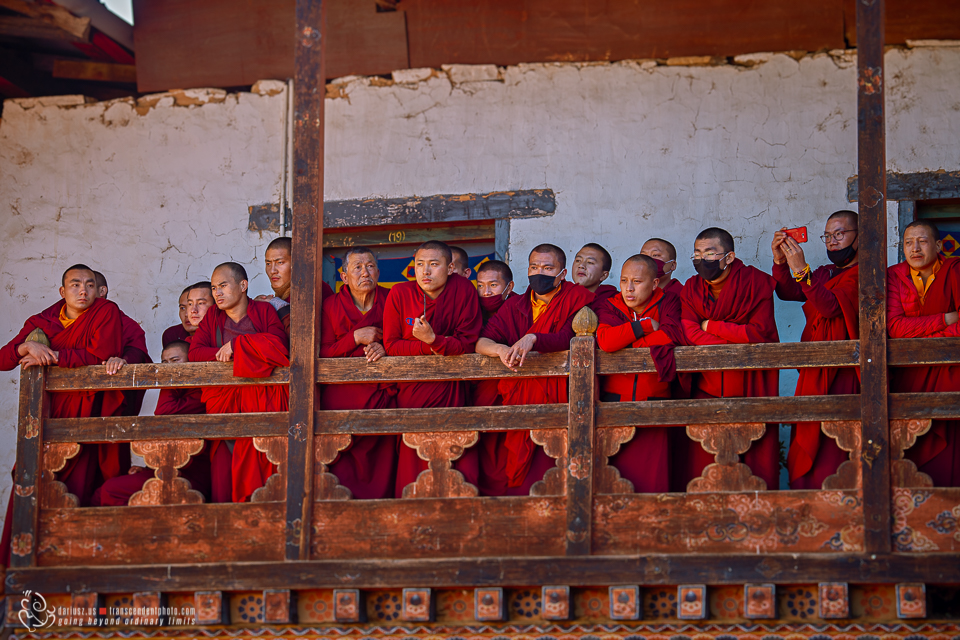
871, 169
309, 91
580, 433
34, 409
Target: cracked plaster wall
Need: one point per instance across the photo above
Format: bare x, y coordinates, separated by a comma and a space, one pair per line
154, 193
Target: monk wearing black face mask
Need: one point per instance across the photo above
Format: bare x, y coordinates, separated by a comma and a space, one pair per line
831, 306
728, 302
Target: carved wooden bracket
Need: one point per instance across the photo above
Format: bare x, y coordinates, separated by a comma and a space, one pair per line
554, 443
53, 493
607, 478
275, 488
441, 480
848, 436
326, 486
726, 442
167, 487
903, 435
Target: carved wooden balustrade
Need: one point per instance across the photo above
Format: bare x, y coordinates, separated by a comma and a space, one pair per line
582, 524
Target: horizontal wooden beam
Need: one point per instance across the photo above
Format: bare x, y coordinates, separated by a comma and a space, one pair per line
156, 376
132, 428
95, 71
381, 421
928, 185
922, 351
35, 29
77, 26
713, 569
786, 355
408, 236
936, 406
421, 368
728, 410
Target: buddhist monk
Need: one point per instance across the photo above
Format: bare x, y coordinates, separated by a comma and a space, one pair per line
922, 297
831, 297
542, 320
83, 330
665, 255
194, 302
278, 264
591, 267
495, 286
134, 352
642, 316
248, 333
728, 302
180, 331
461, 262
117, 491
352, 327
438, 314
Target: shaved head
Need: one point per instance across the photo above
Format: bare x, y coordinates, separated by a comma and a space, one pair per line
502, 268
851, 217
644, 262
927, 224
553, 250
666, 248
100, 278
359, 251
281, 244
606, 262
234, 269
722, 236
76, 267
436, 245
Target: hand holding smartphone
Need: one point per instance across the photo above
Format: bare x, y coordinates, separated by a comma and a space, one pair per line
799, 234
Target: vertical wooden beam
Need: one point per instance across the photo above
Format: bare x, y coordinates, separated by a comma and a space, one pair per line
580, 433
34, 409
872, 183
309, 92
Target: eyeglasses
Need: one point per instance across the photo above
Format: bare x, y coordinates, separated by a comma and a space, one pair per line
836, 235
709, 257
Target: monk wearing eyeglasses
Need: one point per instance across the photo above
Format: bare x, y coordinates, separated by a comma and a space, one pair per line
831, 296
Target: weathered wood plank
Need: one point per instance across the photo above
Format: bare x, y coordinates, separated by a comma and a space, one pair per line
34, 409
176, 534
727, 410
927, 185
422, 368
938, 406
408, 235
36, 29
131, 428
872, 199
95, 71
372, 212
648, 569
386, 421
771, 522
430, 528
786, 355
922, 351
580, 436
925, 520
310, 60
156, 376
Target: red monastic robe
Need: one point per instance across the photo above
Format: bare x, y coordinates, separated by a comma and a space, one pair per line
675, 287
743, 314
644, 460
455, 318
603, 292
94, 337
486, 393
174, 333
510, 461
832, 308
937, 452
134, 352
255, 355
368, 467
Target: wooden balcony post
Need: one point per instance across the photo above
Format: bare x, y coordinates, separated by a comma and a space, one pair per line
871, 160
34, 409
581, 426
309, 93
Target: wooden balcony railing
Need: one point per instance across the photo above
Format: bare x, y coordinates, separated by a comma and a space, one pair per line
582, 523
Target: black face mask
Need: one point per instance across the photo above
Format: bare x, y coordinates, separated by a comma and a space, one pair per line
709, 270
842, 257
542, 284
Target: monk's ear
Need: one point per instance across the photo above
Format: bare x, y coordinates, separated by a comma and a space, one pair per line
656, 282
939, 246
606, 274
343, 276
243, 286
467, 272
731, 257
63, 290
508, 289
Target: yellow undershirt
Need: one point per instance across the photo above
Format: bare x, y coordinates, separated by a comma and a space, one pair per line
538, 306
918, 281
65, 321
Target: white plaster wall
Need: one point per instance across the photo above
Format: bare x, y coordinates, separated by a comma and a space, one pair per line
632, 150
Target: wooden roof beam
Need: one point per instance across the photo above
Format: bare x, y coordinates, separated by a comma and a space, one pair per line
53, 15
35, 29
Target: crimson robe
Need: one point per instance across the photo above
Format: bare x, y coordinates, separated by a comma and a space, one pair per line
254, 356
674, 286
92, 338
603, 292
134, 352
455, 318
743, 314
832, 311
644, 460
368, 467
174, 333
937, 452
486, 393
510, 461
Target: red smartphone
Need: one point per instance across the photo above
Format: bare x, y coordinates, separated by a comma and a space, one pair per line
799, 234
